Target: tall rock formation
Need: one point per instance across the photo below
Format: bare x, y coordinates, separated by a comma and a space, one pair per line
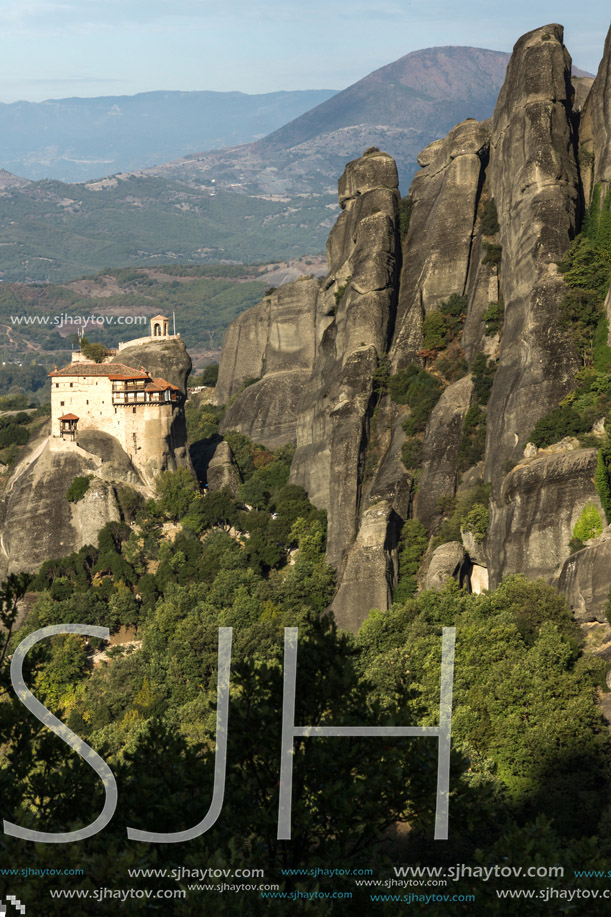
595, 126
439, 244
491, 213
534, 181
355, 315
270, 348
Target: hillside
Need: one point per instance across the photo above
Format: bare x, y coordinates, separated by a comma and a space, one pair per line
446, 386
400, 108
78, 139
50, 231
400, 520
273, 199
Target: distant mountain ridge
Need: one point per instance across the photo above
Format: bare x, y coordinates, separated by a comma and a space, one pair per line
400, 108
269, 200
77, 139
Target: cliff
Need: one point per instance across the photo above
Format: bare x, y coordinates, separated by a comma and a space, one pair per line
37, 488
266, 361
431, 357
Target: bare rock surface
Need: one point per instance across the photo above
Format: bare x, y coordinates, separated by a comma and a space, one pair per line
355, 314
371, 567
585, 579
438, 246
533, 521
534, 181
222, 472
440, 451
448, 561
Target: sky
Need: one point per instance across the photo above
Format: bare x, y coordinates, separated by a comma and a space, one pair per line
60, 48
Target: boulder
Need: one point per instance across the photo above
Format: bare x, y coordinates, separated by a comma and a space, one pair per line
449, 561
222, 472
585, 579
532, 523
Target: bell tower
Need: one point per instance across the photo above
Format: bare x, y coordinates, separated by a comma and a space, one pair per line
160, 326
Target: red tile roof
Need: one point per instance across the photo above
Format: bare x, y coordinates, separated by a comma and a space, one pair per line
163, 383
101, 369
69, 417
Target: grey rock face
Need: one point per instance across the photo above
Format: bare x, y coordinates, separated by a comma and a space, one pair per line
349, 435
275, 336
274, 343
533, 521
438, 247
585, 579
54, 527
167, 360
595, 125
448, 561
116, 465
483, 288
266, 412
355, 312
371, 567
222, 472
533, 178
440, 450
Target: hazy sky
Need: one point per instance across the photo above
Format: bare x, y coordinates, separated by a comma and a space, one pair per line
58, 48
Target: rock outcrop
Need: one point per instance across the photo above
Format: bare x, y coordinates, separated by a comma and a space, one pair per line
595, 126
534, 181
367, 318
532, 522
371, 568
585, 579
55, 527
354, 320
271, 348
441, 445
222, 473
438, 247
449, 561
166, 359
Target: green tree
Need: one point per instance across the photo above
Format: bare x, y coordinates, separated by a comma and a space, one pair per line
78, 488
434, 331
93, 351
176, 491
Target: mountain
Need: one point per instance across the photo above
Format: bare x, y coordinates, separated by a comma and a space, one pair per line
443, 386
269, 200
400, 108
78, 139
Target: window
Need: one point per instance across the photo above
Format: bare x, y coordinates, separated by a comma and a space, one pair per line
133, 410
61, 404
57, 385
71, 385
